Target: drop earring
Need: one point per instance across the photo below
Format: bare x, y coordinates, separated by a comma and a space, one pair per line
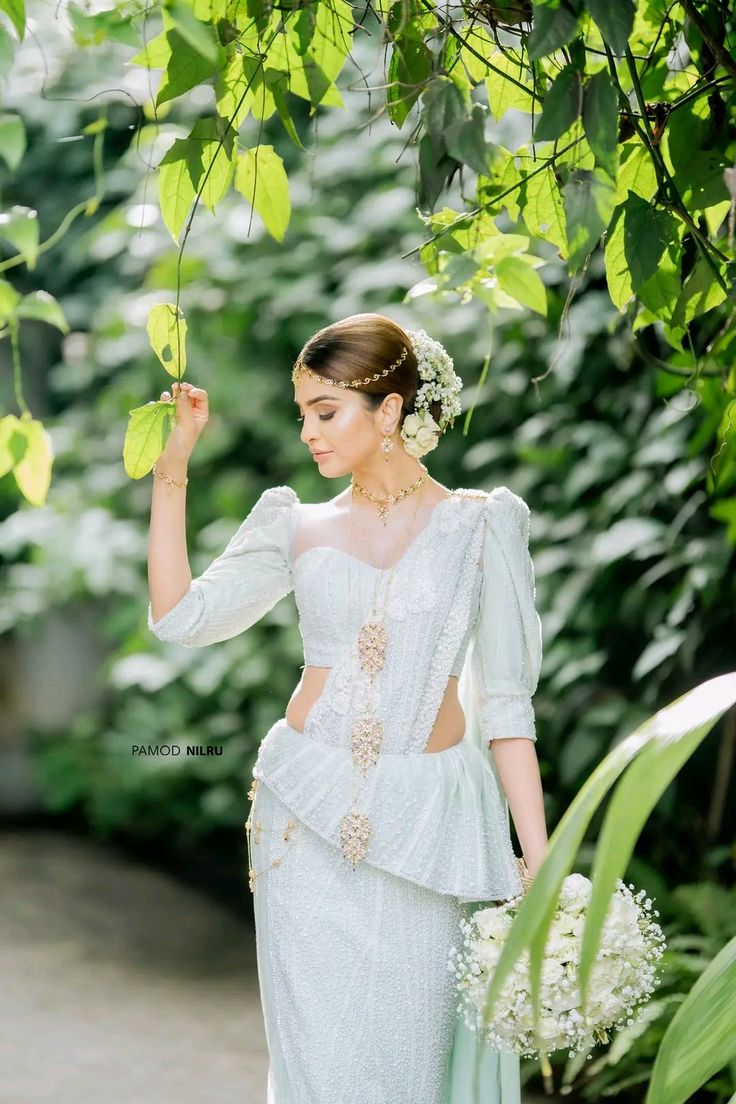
387, 446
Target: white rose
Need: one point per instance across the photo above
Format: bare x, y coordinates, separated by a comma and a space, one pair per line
411, 424
426, 438
492, 923
575, 892
420, 433
563, 946
552, 971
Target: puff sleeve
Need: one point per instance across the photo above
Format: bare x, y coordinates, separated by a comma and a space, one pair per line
507, 650
245, 581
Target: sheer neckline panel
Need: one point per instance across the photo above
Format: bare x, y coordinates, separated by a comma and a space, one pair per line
322, 546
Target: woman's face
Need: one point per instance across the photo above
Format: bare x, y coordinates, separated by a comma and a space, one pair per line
339, 430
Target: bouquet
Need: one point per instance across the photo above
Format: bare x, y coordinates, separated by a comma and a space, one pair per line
623, 976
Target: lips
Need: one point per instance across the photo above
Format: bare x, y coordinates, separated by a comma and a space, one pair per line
316, 455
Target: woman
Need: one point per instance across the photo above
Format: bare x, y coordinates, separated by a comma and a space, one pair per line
377, 817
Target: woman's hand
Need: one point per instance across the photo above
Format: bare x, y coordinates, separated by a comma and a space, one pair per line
192, 413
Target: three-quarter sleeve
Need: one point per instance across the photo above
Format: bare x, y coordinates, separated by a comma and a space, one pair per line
507, 650
245, 581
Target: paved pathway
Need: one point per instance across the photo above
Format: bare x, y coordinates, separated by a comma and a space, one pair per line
120, 985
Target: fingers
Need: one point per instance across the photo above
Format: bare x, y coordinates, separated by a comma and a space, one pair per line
181, 386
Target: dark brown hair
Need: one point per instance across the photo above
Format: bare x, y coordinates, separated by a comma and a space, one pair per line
359, 346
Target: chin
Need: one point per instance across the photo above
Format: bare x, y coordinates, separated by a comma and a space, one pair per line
332, 468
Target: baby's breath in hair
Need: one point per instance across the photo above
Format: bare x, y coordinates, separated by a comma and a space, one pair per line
440, 384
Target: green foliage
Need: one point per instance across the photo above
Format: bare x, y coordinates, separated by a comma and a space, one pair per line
639, 767
629, 107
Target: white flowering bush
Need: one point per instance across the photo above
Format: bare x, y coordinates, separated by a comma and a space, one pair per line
440, 383
623, 977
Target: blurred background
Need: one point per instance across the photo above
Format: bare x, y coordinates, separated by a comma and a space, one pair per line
126, 939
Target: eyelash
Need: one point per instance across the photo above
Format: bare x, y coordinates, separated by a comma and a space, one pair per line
322, 417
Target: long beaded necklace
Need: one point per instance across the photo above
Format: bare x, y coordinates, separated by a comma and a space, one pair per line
367, 732
355, 828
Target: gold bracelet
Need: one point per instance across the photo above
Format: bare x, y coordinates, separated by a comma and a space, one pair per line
172, 482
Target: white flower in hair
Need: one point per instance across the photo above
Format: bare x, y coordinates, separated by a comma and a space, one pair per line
420, 433
440, 384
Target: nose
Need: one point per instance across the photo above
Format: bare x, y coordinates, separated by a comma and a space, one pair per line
308, 431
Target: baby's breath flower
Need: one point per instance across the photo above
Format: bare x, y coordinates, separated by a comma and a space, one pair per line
440, 384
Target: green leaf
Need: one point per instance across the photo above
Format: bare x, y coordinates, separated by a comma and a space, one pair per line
636, 173
19, 226
262, 103
700, 293
43, 307
103, 26
9, 299
522, 283
232, 99
145, 437
443, 103
12, 140
155, 54
16, 10
433, 172
167, 330
311, 74
660, 293
198, 34
409, 67
636, 240
32, 472
542, 209
615, 19
561, 106
504, 94
465, 140
187, 67
277, 83
260, 176
638, 791
176, 191
552, 27
701, 1037
589, 198
600, 120
208, 157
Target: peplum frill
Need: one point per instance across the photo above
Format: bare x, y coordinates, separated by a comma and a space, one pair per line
438, 817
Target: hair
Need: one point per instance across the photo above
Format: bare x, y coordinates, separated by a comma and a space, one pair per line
360, 345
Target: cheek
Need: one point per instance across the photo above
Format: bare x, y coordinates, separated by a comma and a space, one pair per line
348, 425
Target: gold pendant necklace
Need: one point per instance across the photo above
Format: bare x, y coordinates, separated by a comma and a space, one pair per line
389, 500
367, 732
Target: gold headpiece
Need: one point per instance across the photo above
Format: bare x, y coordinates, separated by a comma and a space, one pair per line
300, 366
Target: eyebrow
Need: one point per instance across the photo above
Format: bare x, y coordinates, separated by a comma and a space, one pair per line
320, 398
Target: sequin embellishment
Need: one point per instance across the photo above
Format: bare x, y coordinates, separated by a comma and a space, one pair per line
355, 833
372, 642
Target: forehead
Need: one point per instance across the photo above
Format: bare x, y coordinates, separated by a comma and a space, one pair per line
306, 389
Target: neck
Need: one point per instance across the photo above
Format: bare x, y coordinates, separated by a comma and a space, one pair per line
384, 480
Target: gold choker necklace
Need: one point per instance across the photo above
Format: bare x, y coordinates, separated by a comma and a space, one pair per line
384, 501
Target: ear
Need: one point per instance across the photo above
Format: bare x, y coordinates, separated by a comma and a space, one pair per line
390, 408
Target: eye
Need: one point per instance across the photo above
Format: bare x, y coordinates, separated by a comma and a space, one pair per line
322, 417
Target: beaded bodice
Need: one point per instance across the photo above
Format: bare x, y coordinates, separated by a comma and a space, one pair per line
431, 607
465, 585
